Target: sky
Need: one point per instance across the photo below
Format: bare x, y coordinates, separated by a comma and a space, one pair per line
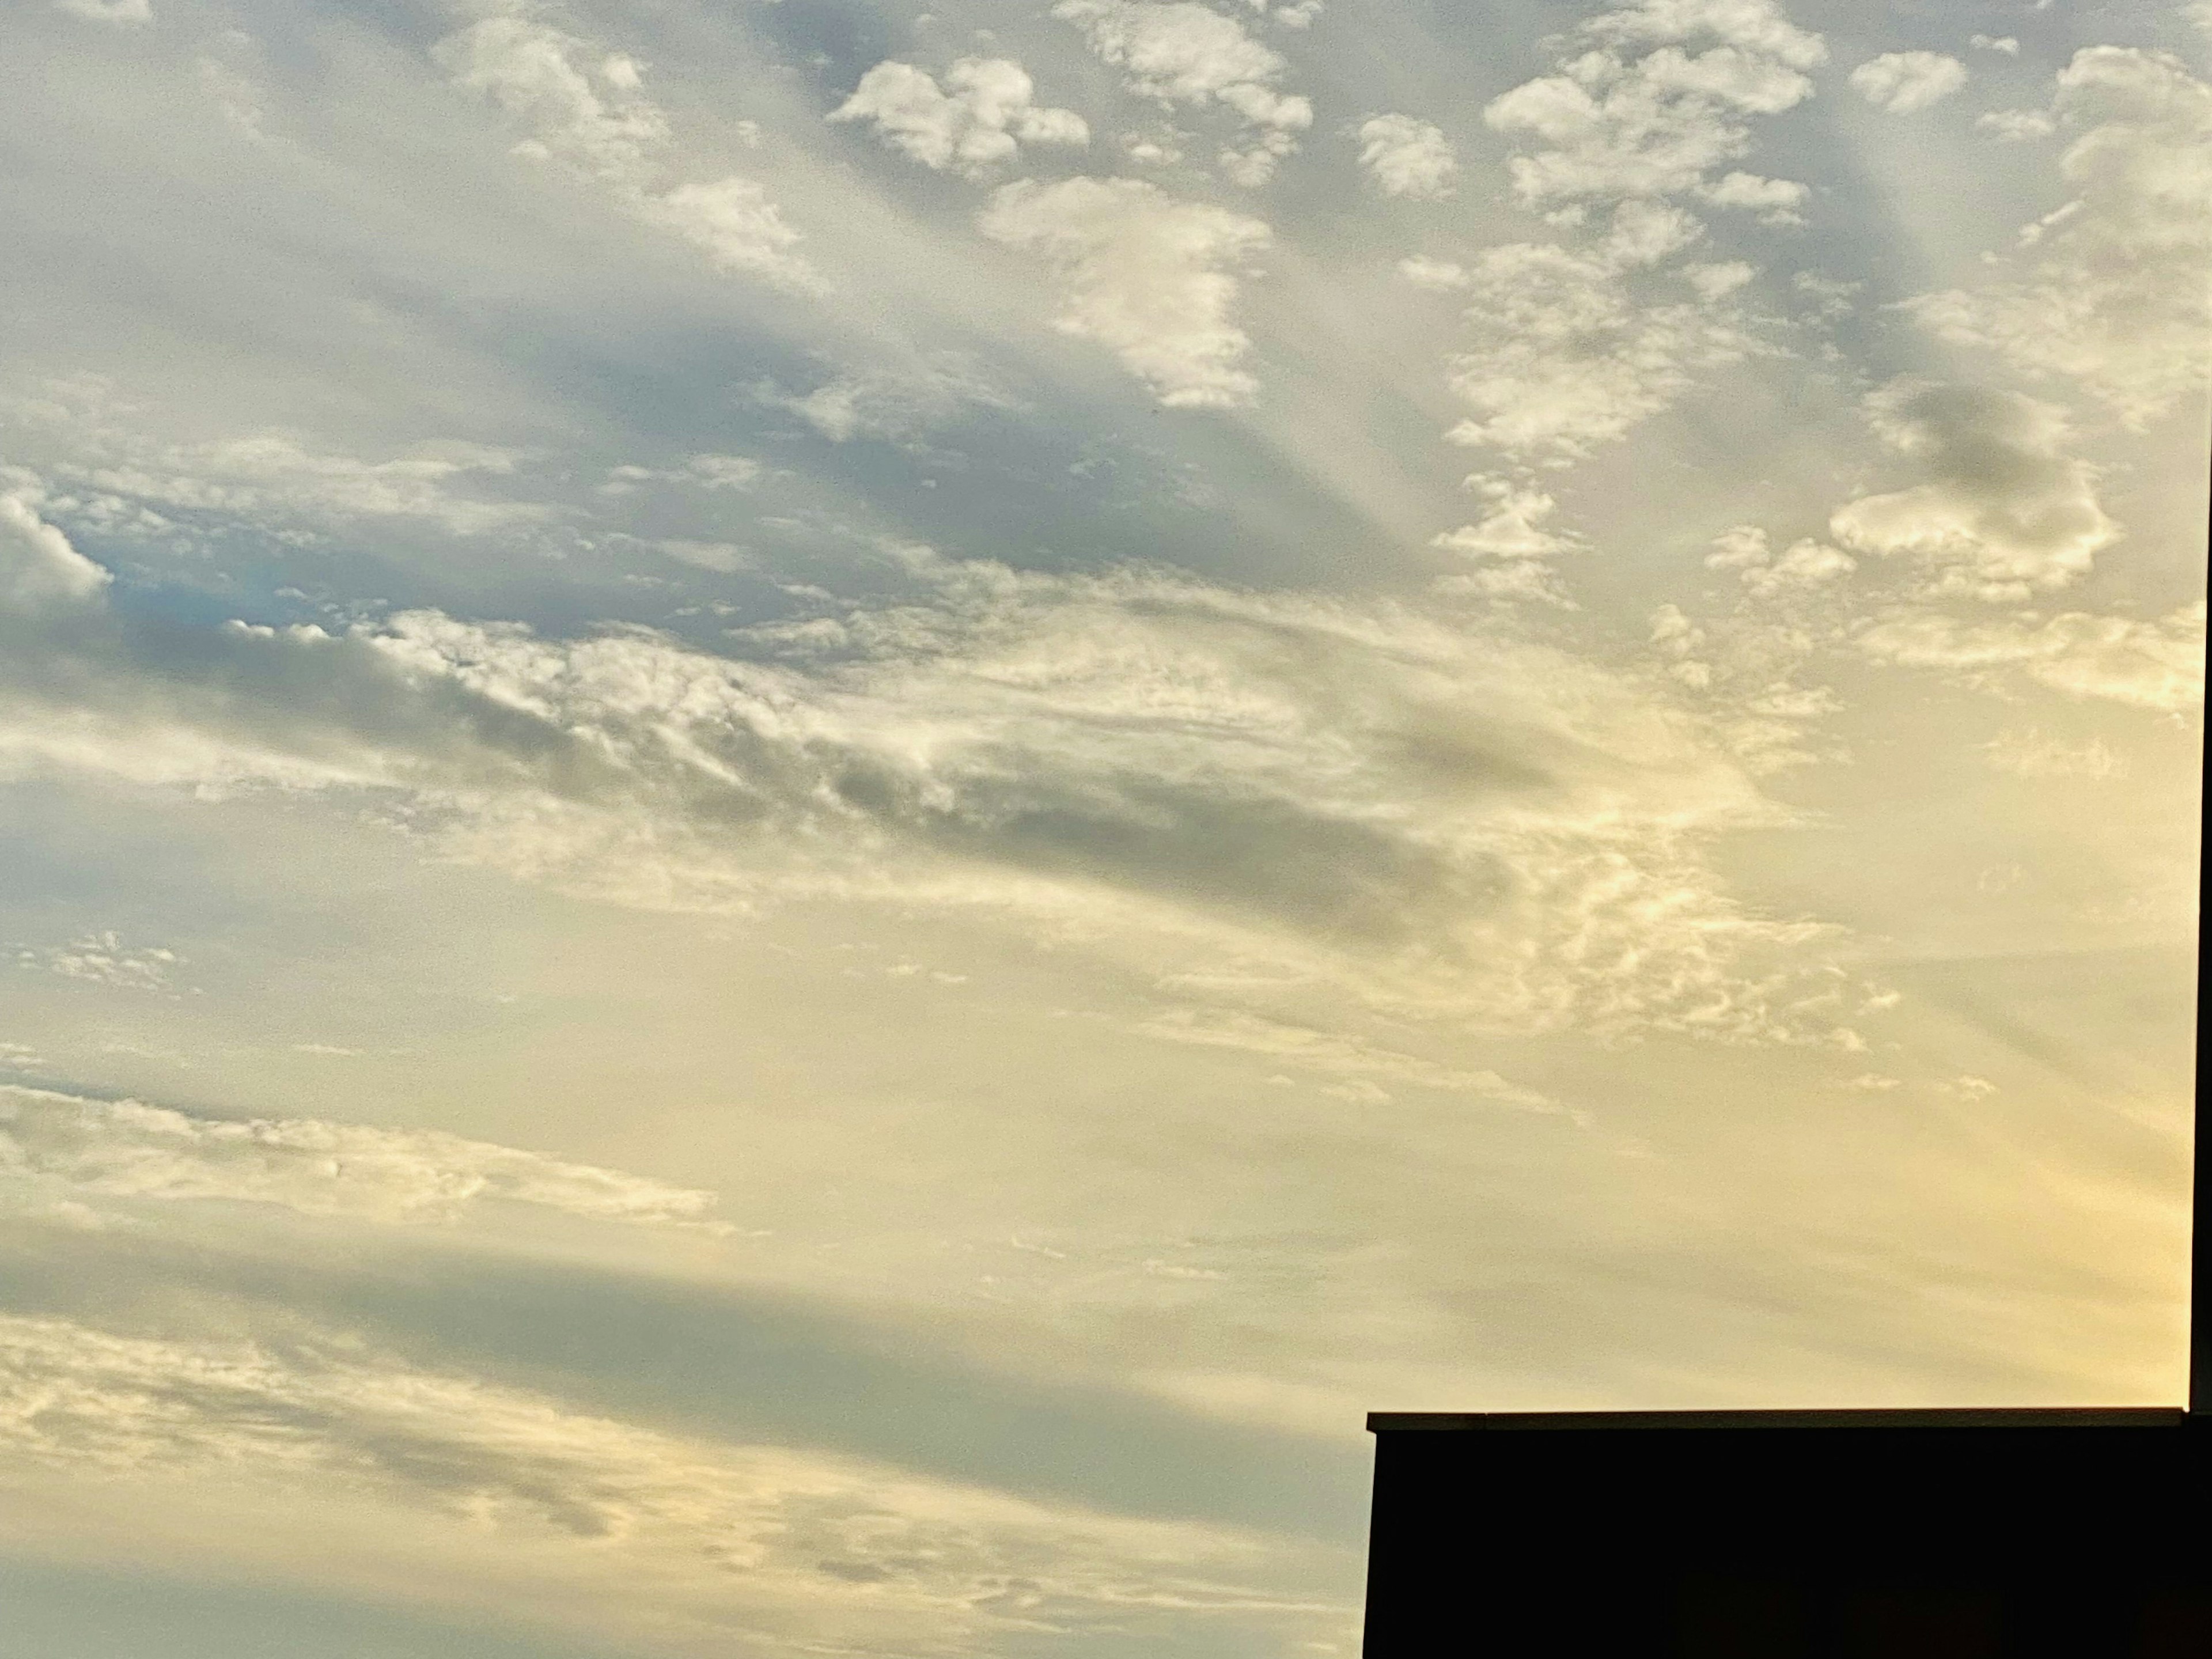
815, 814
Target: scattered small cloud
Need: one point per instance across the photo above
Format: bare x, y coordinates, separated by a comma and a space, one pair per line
1902, 82
1407, 158
103, 958
982, 117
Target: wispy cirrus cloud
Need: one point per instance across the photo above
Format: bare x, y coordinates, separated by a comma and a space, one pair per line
127, 1150
639, 1532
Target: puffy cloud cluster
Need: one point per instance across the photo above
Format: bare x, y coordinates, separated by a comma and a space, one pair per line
2006, 512
1178, 51
103, 958
1904, 81
692, 1543
593, 117
2113, 295
1804, 564
982, 116
1565, 357
126, 1150
1407, 157
2147, 664
1613, 125
1574, 346
1511, 543
1151, 278
38, 566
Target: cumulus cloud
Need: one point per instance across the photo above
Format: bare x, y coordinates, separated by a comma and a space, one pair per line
1903, 81
583, 109
1437, 276
749, 1549
1804, 564
2112, 294
1511, 543
126, 1150
103, 958
2016, 126
2006, 512
1612, 125
1152, 278
1564, 358
38, 565
1182, 52
988, 112
1407, 157
2147, 664
1569, 351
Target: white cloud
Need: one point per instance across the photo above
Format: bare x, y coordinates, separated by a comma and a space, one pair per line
1510, 543
1715, 281
265, 477
1407, 157
108, 11
1565, 359
2008, 44
1748, 25
2016, 126
102, 958
1567, 356
721, 556
2115, 298
38, 566
1659, 124
1903, 81
126, 1150
1776, 201
1646, 232
893, 402
2007, 512
1804, 564
1182, 52
989, 112
710, 472
1151, 278
1437, 276
2147, 664
1512, 525
584, 110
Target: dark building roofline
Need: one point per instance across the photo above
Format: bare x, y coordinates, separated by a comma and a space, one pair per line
2025, 1417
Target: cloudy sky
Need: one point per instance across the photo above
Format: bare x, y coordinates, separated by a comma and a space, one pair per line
815, 814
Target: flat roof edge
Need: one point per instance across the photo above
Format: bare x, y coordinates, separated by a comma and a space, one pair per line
2021, 1416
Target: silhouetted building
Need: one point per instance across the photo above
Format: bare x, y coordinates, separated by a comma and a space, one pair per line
1942, 1535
